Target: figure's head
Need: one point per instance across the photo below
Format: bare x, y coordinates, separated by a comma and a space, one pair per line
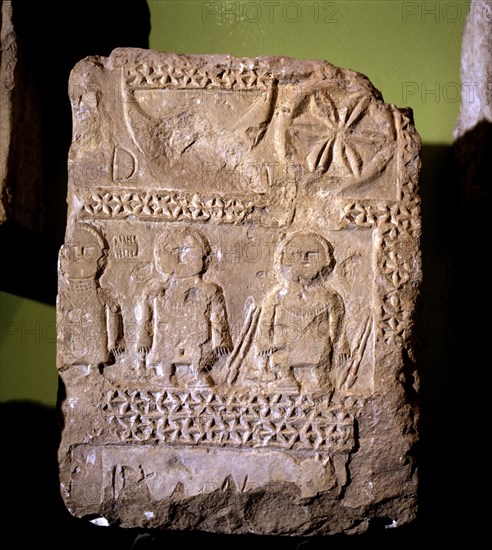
303, 257
182, 252
84, 255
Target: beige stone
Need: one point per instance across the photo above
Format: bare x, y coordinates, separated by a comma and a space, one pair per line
473, 128
476, 69
21, 172
236, 297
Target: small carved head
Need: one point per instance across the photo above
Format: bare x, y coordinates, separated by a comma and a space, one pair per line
183, 252
304, 257
84, 256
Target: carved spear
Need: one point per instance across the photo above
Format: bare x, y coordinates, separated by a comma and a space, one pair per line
357, 355
243, 344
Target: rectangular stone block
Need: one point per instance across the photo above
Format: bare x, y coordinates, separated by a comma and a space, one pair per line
236, 297
21, 163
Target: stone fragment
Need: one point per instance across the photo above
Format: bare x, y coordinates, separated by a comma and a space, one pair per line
21, 172
236, 297
476, 69
473, 129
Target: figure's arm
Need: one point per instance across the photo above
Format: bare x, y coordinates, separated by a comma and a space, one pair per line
144, 317
114, 320
62, 343
221, 337
116, 339
265, 331
337, 329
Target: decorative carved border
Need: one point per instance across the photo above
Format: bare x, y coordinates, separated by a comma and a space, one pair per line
295, 423
407, 176
397, 224
150, 76
165, 205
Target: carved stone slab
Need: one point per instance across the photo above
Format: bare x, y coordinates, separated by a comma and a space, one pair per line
21, 163
236, 293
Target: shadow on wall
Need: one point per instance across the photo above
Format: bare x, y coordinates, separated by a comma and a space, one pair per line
35, 513
51, 38
452, 334
448, 354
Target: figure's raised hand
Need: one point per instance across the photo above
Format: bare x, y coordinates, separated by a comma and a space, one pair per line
267, 352
343, 358
221, 351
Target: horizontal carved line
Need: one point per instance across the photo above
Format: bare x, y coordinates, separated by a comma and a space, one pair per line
404, 215
169, 206
293, 423
145, 75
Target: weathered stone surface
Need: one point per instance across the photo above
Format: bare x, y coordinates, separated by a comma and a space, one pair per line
21, 174
236, 296
473, 129
476, 69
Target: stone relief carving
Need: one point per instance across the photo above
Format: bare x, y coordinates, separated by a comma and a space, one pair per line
300, 342
231, 330
89, 316
189, 332
329, 132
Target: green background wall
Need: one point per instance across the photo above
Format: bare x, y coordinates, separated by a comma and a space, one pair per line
409, 50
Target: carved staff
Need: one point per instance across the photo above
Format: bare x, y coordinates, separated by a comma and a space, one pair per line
357, 355
243, 344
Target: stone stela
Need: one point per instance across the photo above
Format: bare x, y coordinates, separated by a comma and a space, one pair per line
236, 297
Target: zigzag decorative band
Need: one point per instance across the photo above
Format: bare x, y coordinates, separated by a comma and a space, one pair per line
147, 76
167, 206
294, 423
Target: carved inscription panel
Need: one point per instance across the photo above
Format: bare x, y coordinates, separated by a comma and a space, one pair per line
236, 292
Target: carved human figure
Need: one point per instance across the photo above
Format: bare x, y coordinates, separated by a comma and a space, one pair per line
183, 327
90, 318
300, 337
